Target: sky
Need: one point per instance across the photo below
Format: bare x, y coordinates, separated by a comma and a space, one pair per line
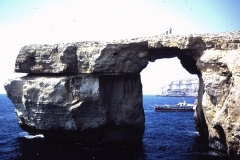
24, 22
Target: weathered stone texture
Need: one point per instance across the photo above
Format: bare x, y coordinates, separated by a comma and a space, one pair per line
77, 102
83, 57
106, 92
43, 99
220, 73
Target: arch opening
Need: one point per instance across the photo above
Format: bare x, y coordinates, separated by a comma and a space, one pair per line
188, 60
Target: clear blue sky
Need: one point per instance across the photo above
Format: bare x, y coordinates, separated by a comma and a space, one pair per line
206, 15
52, 21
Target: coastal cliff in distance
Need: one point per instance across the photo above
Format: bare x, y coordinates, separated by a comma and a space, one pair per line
187, 87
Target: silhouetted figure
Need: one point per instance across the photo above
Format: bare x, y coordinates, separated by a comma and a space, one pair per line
170, 30
166, 32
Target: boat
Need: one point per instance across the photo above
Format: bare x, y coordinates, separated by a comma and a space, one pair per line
181, 106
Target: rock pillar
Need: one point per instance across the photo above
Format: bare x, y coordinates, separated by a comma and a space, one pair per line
83, 91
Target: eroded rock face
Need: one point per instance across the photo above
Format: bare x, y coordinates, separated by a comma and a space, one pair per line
93, 90
83, 57
79, 103
220, 73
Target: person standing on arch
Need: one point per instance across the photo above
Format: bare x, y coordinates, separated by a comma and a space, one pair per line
170, 30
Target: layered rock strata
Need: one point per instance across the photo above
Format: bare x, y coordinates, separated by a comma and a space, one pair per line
88, 90
83, 57
220, 101
95, 87
89, 103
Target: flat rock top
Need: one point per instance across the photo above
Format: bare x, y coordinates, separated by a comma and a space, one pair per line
191, 41
116, 57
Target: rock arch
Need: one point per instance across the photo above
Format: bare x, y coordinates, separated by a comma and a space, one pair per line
92, 91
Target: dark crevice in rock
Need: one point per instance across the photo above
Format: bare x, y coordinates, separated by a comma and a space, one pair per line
69, 55
25, 61
220, 143
213, 99
117, 91
50, 74
189, 63
229, 77
200, 122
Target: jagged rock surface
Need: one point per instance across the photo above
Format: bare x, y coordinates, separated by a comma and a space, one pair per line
78, 103
112, 85
187, 87
83, 57
220, 102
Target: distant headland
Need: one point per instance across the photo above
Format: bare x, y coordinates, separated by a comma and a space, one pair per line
187, 87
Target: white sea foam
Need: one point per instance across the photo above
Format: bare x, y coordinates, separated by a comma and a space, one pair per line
215, 154
34, 136
193, 133
28, 136
196, 133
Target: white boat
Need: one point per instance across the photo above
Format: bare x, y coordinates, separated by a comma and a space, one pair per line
181, 106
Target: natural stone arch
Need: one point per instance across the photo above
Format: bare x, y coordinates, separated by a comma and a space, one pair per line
56, 97
188, 60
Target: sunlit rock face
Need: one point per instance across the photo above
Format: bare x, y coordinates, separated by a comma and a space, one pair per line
89, 103
91, 89
220, 73
94, 88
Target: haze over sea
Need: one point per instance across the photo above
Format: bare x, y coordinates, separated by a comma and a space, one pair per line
168, 135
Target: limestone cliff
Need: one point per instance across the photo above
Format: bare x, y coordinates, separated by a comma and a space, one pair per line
89, 103
83, 57
93, 90
187, 87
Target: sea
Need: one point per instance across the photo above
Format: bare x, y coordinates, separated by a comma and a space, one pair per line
168, 135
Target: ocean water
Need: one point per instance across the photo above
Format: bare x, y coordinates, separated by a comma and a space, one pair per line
168, 135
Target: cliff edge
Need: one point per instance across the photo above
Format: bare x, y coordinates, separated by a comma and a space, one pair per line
187, 87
